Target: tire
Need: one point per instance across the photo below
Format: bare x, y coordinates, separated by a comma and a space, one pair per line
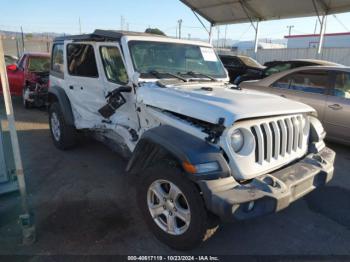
197, 231
26, 104
64, 136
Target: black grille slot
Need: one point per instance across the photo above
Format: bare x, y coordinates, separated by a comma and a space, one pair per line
273, 139
256, 144
264, 140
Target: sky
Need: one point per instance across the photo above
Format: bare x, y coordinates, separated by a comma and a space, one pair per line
63, 17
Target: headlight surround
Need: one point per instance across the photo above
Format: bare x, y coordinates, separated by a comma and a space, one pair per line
237, 140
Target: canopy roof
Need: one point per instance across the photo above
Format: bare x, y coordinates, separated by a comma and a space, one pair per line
242, 11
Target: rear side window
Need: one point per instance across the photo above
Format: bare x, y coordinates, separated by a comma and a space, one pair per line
311, 81
81, 60
57, 58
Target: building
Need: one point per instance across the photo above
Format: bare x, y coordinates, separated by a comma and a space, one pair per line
312, 40
246, 45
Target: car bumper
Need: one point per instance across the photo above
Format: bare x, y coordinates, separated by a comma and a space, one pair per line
268, 193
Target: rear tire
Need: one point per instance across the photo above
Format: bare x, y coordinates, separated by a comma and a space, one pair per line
64, 136
196, 230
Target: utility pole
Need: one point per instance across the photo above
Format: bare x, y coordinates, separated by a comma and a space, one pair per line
218, 43
79, 26
180, 25
224, 44
122, 21
290, 29
189, 36
22, 35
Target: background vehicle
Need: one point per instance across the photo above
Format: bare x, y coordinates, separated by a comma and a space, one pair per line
9, 60
197, 148
29, 78
238, 65
274, 67
327, 89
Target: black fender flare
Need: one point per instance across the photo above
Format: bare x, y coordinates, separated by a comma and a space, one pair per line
63, 100
183, 147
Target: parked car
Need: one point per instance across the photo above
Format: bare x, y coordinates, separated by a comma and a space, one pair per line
198, 150
9, 59
327, 89
238, 65
274, 67
29, 78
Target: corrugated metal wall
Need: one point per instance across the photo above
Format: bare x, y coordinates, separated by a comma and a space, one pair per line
337, 55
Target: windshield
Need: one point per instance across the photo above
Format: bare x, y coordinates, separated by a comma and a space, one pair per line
39, 64
175, 59
248, 61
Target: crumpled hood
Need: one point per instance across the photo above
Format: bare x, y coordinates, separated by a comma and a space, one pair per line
221, 102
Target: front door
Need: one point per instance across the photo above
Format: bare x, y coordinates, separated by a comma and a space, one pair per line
308, 86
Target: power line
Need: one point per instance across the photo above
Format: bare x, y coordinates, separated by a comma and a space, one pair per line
341, 23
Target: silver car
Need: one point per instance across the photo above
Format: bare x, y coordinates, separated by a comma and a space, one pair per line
327, 89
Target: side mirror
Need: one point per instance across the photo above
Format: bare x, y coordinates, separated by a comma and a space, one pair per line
125, 89
135, 78
12, 67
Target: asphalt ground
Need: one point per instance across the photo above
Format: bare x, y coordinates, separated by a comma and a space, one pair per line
84, 204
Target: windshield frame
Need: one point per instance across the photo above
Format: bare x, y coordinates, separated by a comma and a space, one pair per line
131, 40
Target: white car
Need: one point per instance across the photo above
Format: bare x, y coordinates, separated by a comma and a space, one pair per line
199, 148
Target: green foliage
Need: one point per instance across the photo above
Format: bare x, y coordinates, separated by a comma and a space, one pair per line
155, 31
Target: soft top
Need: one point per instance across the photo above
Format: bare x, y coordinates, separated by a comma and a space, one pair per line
103, 35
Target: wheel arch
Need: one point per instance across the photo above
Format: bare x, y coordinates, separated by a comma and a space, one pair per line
169, 143
57, 94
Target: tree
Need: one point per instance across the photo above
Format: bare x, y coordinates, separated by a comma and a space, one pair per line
155, 31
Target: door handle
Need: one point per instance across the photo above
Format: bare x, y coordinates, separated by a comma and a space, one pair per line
335, 107
71, 87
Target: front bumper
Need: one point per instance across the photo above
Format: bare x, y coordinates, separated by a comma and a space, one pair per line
268, 193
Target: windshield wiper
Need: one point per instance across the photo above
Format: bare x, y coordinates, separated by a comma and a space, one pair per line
158, 75
196, 74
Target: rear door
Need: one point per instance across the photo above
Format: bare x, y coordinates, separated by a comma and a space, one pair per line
337, 114
83, 84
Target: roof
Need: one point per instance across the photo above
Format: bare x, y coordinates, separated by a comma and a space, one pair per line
242, 11
37, 54
103, 35
318, 35
315, 61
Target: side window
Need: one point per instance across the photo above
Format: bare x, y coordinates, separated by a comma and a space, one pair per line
311, 81
342, 85
284, 82
57, 64
113, 65
81, 60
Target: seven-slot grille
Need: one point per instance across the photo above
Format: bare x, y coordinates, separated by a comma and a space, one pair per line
276, 138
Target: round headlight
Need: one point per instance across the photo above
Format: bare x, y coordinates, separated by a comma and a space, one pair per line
237, 140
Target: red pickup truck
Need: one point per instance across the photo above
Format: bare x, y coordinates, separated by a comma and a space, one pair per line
29, 78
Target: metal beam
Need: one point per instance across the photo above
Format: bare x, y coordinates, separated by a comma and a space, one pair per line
28, 229
322, 32
256, 46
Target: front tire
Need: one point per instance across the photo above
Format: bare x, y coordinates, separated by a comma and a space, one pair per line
64, 136
26, 104
173, 208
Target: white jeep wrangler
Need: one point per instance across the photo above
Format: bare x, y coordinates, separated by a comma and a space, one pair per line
200, 148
